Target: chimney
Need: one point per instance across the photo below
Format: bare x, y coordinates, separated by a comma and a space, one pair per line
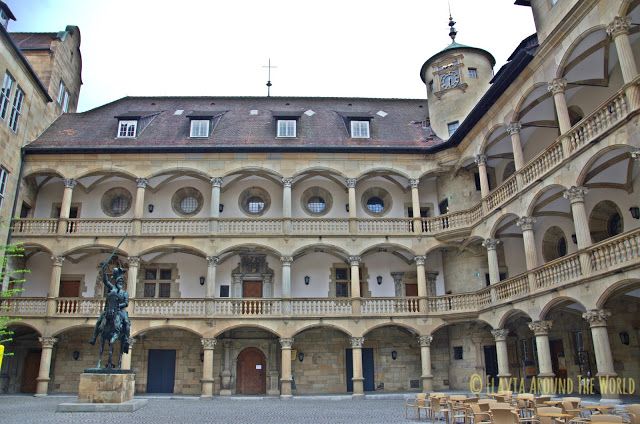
5, 15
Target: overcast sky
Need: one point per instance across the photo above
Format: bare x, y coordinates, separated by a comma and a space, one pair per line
344, 48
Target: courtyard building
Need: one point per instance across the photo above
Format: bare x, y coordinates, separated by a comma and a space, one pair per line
302, 245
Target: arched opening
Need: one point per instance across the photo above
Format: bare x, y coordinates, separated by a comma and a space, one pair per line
605, 221
575, 114
511, 254
521, 346
72, 355
21, 362
251, 372
554, 244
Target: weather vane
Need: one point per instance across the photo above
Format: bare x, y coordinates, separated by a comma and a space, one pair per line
269, 78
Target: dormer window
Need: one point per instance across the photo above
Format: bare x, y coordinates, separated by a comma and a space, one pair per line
199, 128
286, 128
127, 129
359, 129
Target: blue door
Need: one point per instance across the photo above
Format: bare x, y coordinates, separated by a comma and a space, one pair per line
161, 371
367, 369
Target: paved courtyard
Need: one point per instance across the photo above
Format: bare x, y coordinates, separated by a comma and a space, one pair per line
27, 410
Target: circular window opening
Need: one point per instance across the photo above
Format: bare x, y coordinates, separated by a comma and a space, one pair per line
605, 221
554, 244
375, 205
254, 201
316, 201
316, 204
376, 201
255, 205
187, 201
116, 201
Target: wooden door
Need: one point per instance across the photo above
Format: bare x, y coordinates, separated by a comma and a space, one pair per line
410, 290
491, 363
161, 371
252, 289
30, 370
368, 369
251, 377
558, 362
70, 288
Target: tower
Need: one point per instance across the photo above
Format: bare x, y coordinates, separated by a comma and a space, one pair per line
456, 77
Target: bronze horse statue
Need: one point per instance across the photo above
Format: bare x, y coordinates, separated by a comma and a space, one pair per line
111, 330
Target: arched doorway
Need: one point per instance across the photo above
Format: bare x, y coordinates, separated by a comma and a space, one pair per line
251, 372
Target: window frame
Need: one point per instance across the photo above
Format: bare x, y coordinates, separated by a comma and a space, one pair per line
362, 123
193, 134
157, 282
16, 109
4, 178
285, 134
472, 72
61, 89
5, 93
452, 124
127, 122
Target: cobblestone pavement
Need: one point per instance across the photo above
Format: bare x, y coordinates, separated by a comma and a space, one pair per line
27, 410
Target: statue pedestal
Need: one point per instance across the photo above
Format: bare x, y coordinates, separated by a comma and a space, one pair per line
105, 390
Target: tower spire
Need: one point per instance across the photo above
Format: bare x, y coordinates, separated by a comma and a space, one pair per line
452, 28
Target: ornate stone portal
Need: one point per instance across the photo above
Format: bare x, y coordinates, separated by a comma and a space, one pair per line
252, 267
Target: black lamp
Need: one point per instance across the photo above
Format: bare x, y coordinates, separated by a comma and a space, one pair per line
624, 337
635, 212
150, 207
346, 207
394, 355
202, 280
300, 356
307, 280
574, 238
76, 355
379, 279
201, 356
220, 208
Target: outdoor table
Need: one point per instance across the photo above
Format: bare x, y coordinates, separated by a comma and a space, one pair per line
560, 415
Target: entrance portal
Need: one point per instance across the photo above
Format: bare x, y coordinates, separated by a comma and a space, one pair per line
161, 371
251, 377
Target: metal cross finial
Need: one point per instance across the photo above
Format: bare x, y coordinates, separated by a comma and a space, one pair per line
452, 29
269, 78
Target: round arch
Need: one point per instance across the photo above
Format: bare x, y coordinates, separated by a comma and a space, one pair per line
43, 172
523, 101
264, 327
235, 247
145, 330
392, 324
179, 248
556, 301
385, 171
627, 6
319, 170
503, 223
510, 314
585, 173
36, 247
97, 247
115, 172
73, 327
193, 172
567, 54
482, 149
321, 325
397, 248
446, 324
12, 325
540, 194
616, 289
331, 249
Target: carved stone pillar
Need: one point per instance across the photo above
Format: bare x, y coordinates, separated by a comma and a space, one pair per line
132, 275
557, 87
513, 129
597, 319
500, 335
541, 331
207, 367
212, 267
216, 184
65, 206
431, 283
285, 381
397, 283
351, 187
54, 284
138, 205
45, 365
481, 161
358, 379
415, 205
422, 282
618, 29
425, 359
354, 262
492, 259
526, 223
225, 375
286, 276
580, 222
286, 197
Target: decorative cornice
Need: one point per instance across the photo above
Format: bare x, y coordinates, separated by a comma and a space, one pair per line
286, 343
575, 194
514, 128
597, 317
351, 182
69, 183
481, 159
357, 342
413, 182
133, 261
213, 260
209, 344
216, 182
558, 85
354, 260
491, 244
619, 26
48, 342
142, 182
540, 328
287, 182
286, 260
425, 341
500, 334
526, 223
57, 260
419, 260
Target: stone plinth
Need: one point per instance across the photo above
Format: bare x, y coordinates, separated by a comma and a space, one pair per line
112, 387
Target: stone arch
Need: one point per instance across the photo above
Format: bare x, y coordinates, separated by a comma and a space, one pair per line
179, 247
322, 325
558, 300
522, 102
22, 323
383, 170
119, 251
398, 247
540, 194
401, 325
115, 172
196, 173
503, 222
29, 246
265, 327
72, 327
442, 325
43, 171
319, 170
489, 138
627, 6
615, 289
565, 58
141, 331
587, 169
511, 313
331, 249
605, 221
232, 248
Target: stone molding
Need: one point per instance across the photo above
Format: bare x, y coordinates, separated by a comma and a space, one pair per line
575, 194
425, 341
286, 260
287, 182
69, 183
597, 317
514, 128
213, 260
413, 182
357, 342
57, 260
557, 86
354, 260
216, 182
133, 261
208, 344
481, 159
526, 223
500, 334
286, 343
540, 328
619, 26
419, 260
48, 342
351, 182
142, 182
491, 244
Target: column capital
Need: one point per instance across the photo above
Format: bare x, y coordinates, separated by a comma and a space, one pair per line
208, 344
635, 154
351, 182
526, 223
619, 26
354, 260
287, 182
57, 260
597, 317
425, 341
514, 128
142, 182
491, 244
575, 194
132, 341
133, 260
413, 182
48, 342
357, 342
500, 334
286, 343
213, 260
481, 159
286, 260
419, 260
216, 181
540, 328
69, 183
558, 85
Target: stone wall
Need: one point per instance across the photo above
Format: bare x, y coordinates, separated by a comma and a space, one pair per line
323, 369
66, 370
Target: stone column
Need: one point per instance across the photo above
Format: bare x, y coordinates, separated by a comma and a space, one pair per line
54, 284
286, 276
285, 381
126, 357
358, 379
45, 365
557, 88
207, 367
351, 187
619, 31
580, 224
65, 207
425, 359
541, 331
422, 283
500, 335
415, 205
597, 319
225, 380
132, 275
526, 223
481, 161
513, 129
212, 264
492, 259
138, 206
354, 262
431, 283
216, 183
286, 197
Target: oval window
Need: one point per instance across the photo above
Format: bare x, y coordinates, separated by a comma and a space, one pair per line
316, 204
375, 204
255, 205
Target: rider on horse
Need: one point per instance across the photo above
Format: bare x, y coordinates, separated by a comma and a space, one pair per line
123, 302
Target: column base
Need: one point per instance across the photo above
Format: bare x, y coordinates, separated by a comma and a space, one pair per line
427, 383
225, 392
273, 392
357, 396
42, 389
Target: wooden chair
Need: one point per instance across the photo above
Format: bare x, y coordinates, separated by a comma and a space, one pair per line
502, 415
485, 404
525, 404
547, 420
634, 413
569, 407
606, 418
479, 416
459, 409
415, 403
438, 409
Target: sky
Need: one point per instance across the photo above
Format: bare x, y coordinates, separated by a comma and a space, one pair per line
330, 48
